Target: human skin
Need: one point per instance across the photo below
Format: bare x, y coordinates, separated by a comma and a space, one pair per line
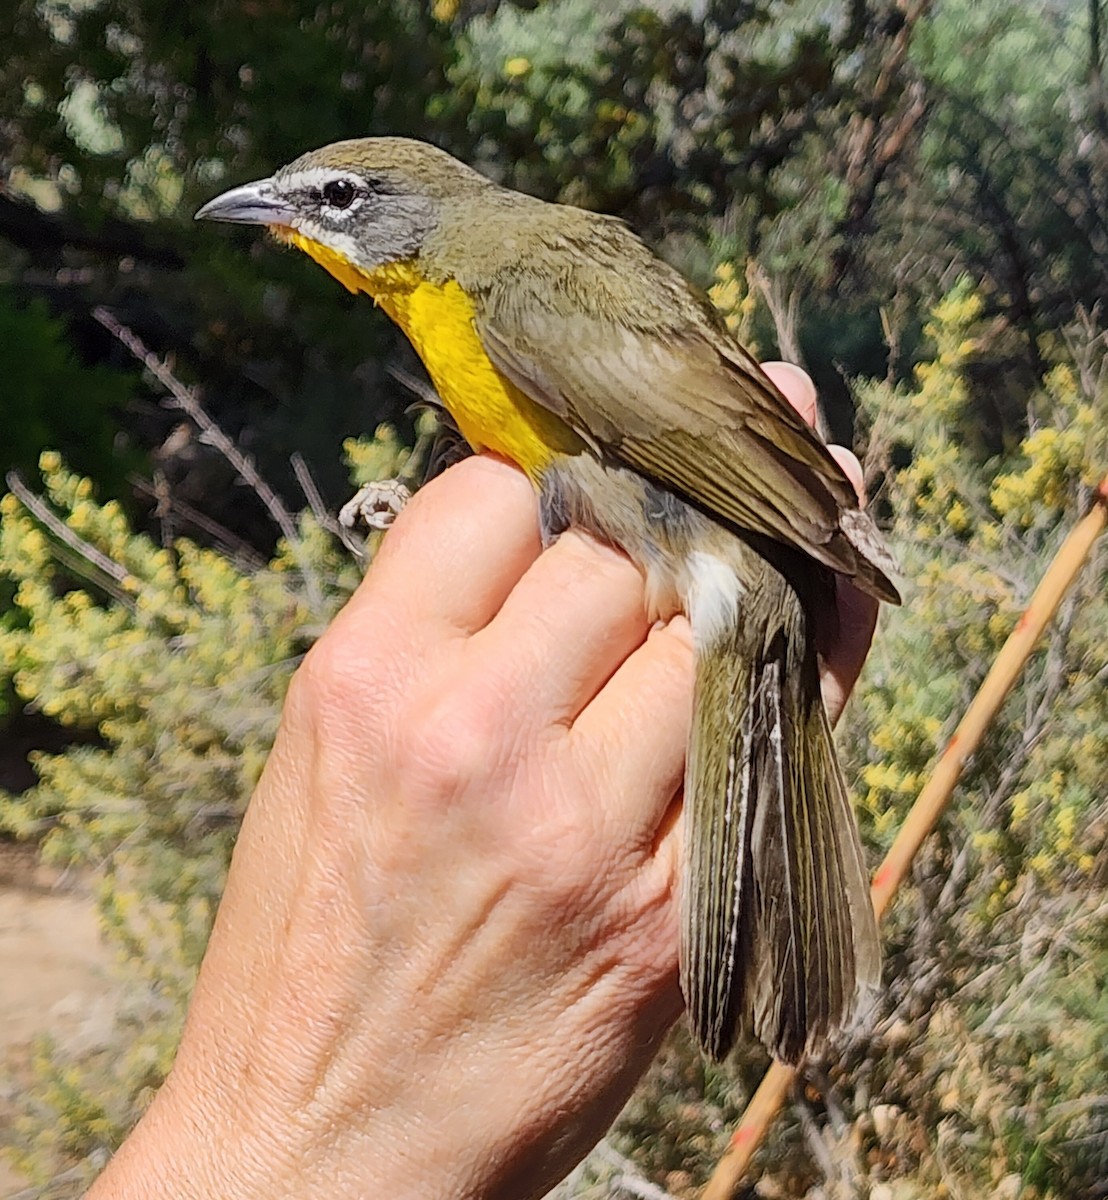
447, 949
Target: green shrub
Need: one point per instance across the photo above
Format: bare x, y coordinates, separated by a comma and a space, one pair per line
49, 398
981, 1073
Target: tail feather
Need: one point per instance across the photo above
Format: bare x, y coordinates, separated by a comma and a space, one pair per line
717, 945
779, 933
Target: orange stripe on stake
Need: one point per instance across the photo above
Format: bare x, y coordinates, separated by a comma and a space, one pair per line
1067, 563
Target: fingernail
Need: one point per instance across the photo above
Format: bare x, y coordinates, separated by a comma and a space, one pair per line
796, 385
852, 469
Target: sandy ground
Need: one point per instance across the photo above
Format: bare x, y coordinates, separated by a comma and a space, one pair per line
54, 975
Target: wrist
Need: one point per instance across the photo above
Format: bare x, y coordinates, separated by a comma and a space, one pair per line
183, 1150
188, 1151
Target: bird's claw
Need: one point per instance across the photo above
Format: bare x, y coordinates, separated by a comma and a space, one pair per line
375, 505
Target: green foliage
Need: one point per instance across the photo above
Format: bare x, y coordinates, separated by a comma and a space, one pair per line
118, 119
177, 659
1016, 182
844, 157
1011, 898
49, 398
156, 98
646, 109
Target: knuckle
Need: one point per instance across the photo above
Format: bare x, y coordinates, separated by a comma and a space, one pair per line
325, 673
338, 682
449, 743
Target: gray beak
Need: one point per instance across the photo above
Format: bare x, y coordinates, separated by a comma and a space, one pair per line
251, 204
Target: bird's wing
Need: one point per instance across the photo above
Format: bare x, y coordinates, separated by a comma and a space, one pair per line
688, 408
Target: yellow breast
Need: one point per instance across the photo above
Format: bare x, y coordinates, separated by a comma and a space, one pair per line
491, 412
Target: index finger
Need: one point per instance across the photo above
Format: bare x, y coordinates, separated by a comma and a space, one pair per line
456, 551
795, 384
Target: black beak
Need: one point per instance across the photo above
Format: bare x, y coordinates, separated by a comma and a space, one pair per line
251, 204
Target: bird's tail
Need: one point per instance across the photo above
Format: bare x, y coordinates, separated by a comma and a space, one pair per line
779, 935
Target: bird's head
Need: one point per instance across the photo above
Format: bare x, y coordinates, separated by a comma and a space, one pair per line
367, 203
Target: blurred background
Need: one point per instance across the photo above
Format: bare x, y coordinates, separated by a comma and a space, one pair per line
909, 197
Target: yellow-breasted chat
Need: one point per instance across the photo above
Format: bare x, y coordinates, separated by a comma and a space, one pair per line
556, 338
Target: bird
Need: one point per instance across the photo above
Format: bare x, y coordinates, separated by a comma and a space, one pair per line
557, 339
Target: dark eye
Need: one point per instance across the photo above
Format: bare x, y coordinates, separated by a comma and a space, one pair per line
339, 193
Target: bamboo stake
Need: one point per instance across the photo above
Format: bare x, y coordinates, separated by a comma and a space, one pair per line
768, 1100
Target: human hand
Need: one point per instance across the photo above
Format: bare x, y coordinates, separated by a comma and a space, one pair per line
447, 948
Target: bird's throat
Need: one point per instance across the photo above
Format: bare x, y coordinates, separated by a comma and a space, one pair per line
438, 318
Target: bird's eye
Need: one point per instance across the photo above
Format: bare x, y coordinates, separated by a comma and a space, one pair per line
339, 193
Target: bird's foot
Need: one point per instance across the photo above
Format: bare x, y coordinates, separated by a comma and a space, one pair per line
374, 507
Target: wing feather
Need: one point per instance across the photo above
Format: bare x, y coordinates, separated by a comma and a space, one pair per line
693, 412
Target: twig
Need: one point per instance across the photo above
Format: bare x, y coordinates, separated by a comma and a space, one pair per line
818, 1147
86, 552
998, 793
234, 545
311, 492
629, 1179
932, 800
187, 400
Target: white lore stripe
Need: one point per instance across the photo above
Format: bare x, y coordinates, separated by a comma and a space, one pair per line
311, 177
